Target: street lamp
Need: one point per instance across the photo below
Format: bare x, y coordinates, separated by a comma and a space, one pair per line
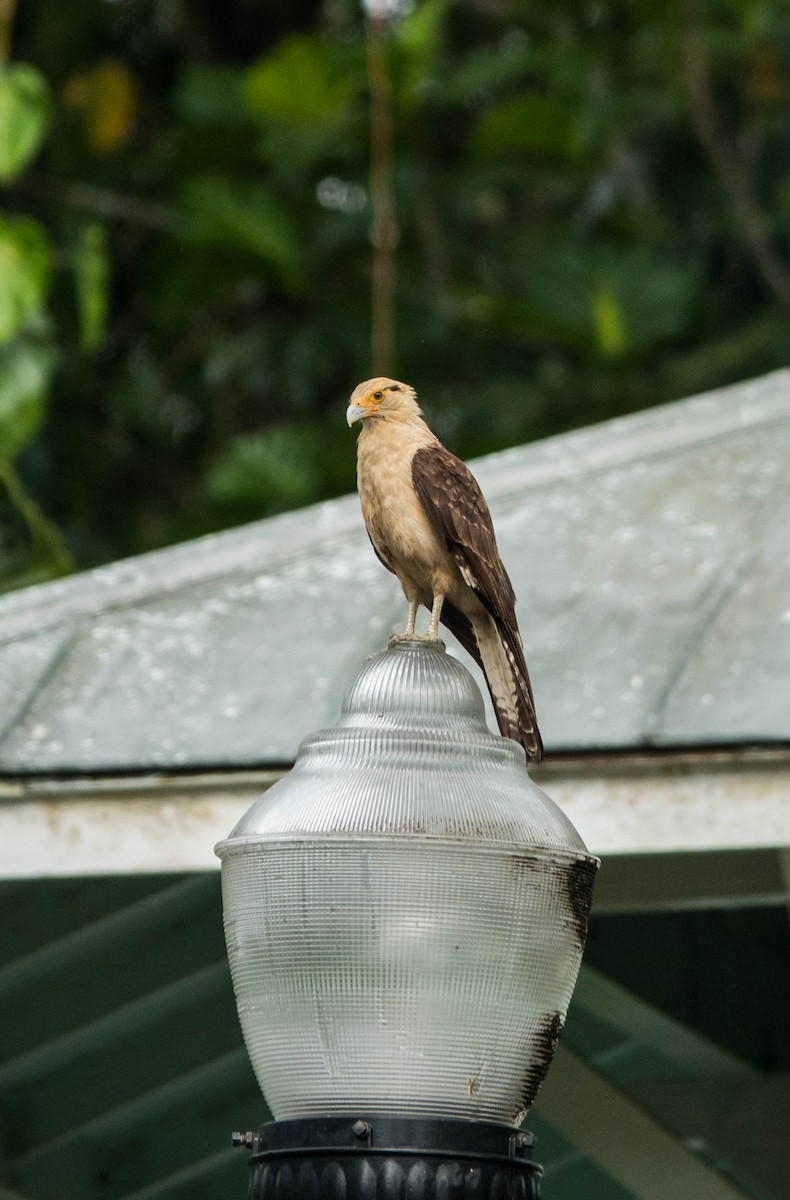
405, 914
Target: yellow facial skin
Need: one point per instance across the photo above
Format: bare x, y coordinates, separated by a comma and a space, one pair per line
376, 397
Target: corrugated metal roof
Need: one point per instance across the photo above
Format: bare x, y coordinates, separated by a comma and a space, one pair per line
650, 555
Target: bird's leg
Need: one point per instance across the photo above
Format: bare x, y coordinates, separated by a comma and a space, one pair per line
408, 632
433, 629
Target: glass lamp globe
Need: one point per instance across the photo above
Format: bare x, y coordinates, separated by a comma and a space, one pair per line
405, 911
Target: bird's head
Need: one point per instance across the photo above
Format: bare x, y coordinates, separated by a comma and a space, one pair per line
384, 398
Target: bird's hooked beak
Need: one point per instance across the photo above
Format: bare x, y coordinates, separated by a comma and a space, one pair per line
355, 412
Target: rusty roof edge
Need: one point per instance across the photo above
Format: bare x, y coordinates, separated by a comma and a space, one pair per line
624, 805
572, 764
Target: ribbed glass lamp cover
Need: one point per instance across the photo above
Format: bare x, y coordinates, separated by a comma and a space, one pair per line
405, 911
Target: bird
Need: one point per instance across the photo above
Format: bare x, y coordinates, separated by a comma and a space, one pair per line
429, 524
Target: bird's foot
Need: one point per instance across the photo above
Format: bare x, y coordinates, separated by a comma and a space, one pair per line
397, 638
432, 635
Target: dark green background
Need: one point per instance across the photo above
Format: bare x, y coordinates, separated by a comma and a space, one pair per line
593, 202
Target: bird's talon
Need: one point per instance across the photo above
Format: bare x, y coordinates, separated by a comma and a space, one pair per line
396, 638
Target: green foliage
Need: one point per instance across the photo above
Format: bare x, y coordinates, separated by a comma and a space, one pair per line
276, 468
529, 123
26, 358
185, 253
417, 46
24, 112
301, 84
25, 369
91, 282
245, 217
208, 94
303, 98
607, 299
24, 274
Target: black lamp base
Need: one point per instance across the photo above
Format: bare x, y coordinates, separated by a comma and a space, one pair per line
371, 1157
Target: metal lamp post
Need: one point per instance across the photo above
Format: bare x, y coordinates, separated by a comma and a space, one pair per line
405, 914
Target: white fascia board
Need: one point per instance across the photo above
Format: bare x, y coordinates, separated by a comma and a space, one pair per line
675, 802
119, 826
621, 805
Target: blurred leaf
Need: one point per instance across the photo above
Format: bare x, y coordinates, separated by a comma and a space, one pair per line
24, 113
418, 32
654, 297
244, 216
481, 72
105, 95
91, 281
213, 94
25, 369
417, 40
618, 300
531, 122
608, 322
301, 82
273, 470
45, 556
302, 97
24, 273
529, 323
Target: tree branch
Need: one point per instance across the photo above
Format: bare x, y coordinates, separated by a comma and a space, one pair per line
7, 14
44, 535
100, 201
732, 173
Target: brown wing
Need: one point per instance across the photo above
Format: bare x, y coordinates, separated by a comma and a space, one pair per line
456, 508
458, 513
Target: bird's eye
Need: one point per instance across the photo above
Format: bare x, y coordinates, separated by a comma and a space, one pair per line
378, 395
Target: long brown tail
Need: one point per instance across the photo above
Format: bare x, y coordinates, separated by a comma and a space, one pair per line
508, 682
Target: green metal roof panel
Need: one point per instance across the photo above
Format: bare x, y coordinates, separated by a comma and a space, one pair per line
649, 555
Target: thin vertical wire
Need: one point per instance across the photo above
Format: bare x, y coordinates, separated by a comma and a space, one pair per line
384, 229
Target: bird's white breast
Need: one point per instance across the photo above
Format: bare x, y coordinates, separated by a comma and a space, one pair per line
393, 514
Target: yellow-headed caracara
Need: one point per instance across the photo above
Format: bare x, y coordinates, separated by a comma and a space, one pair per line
429, 524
